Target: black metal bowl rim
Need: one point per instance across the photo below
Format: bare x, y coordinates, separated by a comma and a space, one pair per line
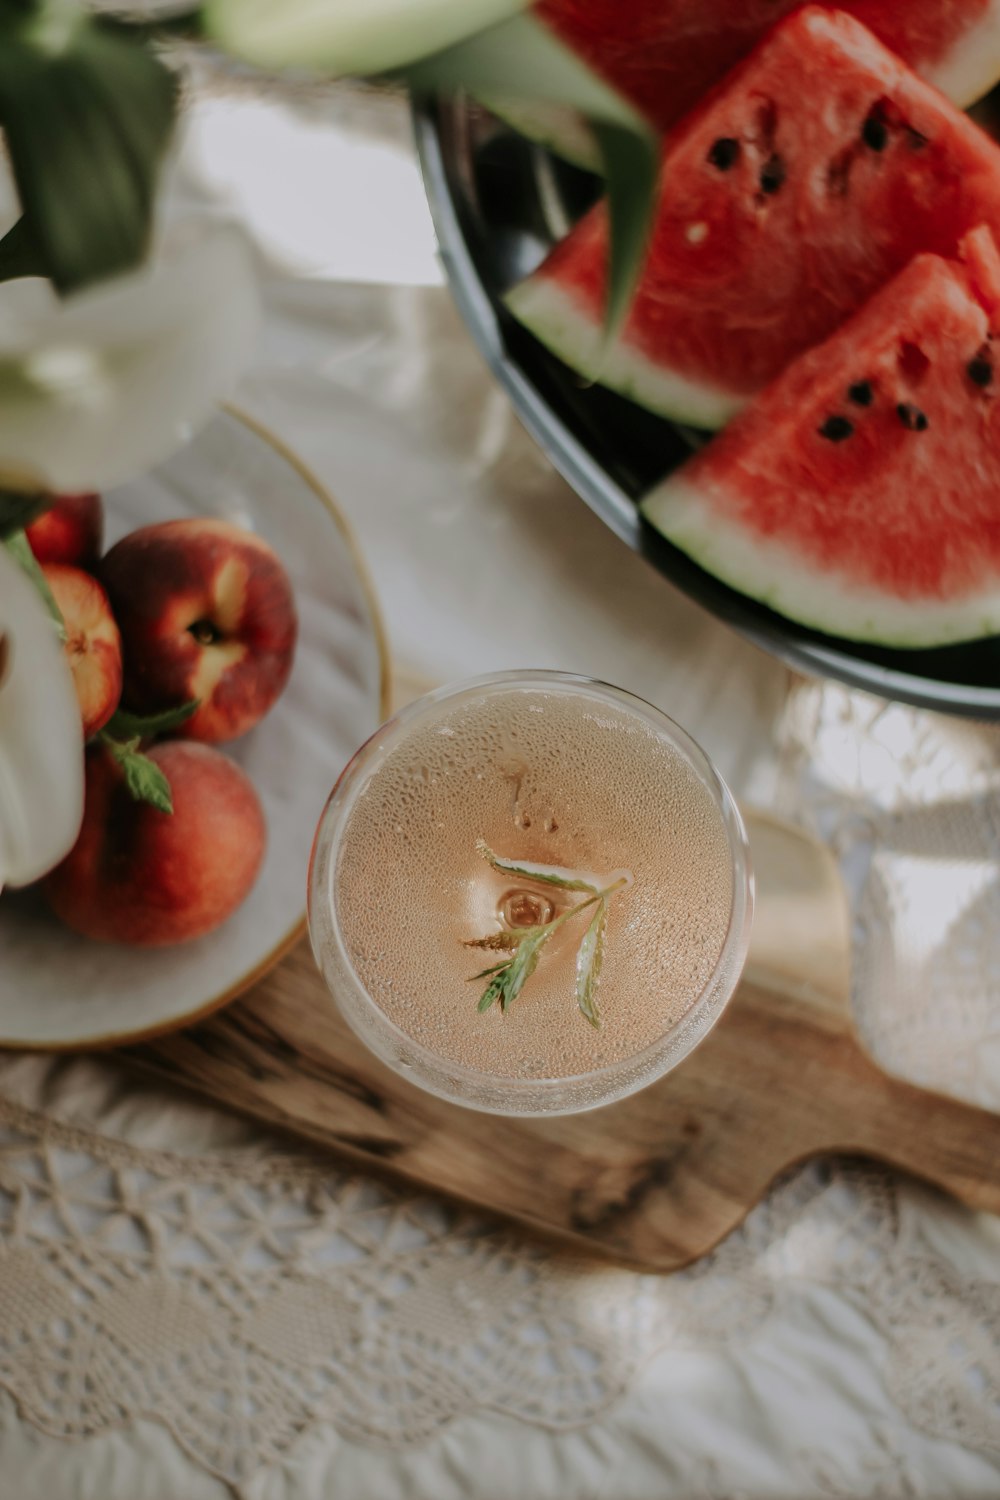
797, 646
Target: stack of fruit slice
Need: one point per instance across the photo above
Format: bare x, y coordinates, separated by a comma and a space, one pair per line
860, 492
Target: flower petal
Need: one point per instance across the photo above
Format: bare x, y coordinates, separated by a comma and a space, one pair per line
99, 388
41, 736
348, 36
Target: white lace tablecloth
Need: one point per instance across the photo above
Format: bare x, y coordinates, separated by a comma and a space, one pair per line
189, 1307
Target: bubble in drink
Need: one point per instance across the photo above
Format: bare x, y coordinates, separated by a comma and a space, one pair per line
551, 778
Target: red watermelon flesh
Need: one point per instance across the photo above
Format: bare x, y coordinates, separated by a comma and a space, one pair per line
665, 54
860, 493
799, 186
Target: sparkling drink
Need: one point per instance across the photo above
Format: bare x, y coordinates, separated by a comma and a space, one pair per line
585, 791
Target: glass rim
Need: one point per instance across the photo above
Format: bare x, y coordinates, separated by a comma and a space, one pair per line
341, 801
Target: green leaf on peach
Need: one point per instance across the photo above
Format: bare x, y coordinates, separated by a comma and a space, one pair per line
143, 777
124, 725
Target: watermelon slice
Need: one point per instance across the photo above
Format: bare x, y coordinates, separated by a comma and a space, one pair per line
664, 55
802, 183
860, 493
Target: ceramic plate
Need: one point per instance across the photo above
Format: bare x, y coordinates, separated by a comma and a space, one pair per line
58, 990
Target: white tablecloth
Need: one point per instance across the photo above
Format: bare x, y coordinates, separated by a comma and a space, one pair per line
188, 1307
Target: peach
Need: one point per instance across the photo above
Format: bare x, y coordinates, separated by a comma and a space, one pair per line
206, 611
93, 644
69, 532
140, 876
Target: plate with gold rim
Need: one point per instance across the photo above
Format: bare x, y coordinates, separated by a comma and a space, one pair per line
61, 991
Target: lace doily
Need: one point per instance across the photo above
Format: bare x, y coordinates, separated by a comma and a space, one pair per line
242, 1301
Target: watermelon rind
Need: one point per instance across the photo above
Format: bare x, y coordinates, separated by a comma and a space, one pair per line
972, 66
767, 570
552, 316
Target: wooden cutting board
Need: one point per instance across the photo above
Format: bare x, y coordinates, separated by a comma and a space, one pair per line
660, 1178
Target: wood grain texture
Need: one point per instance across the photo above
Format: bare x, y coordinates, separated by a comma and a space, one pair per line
659, 1178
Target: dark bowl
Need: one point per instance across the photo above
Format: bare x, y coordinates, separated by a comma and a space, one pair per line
499, 202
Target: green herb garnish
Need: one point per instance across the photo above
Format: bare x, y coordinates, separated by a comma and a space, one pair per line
524, 945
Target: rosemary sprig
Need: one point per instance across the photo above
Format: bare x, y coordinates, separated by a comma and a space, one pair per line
508, 979
524, 945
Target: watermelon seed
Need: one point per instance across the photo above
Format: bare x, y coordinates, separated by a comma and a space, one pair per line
772, 175
861, 393
980, 370
836, 429
875, 132
695, 233
912, 418
725, 153
916, 139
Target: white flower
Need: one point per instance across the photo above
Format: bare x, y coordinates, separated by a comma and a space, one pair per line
41, 735
349, 36
96, 389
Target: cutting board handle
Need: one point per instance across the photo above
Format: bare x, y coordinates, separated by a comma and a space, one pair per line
800, 956
944, 1140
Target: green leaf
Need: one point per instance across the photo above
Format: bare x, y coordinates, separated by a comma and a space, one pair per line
496, 968
124, 725
566, 880
347, 36
490, 995
510, 977
147, 783
18, 509
631, 174
589, 959
143, 777
20, 253
87, 112
522, 60
19, 547
522, 966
